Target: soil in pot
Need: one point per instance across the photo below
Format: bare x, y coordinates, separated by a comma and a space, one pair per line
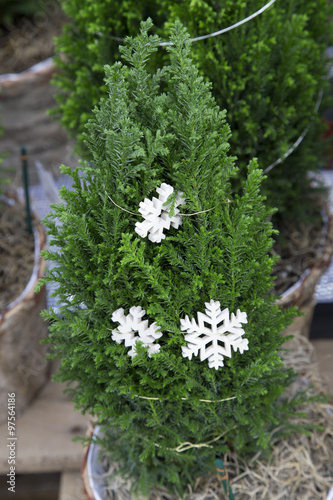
27, 96
16, 253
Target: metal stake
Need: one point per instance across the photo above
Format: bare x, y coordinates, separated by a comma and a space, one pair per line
24, 160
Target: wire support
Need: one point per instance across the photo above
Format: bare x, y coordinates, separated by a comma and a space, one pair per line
298, 141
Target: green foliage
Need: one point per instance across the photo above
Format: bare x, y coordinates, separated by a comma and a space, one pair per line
11, 10
153, 128
267, 73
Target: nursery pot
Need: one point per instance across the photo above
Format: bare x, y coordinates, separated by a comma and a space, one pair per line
302, 293
23, 368
92, 471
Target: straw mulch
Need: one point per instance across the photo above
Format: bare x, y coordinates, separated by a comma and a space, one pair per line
300, 467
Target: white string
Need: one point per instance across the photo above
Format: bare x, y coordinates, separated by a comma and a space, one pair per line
211, 35
298, 141
187, 446
229, 28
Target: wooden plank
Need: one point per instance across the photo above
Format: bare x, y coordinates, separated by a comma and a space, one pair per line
44, 435
71, 487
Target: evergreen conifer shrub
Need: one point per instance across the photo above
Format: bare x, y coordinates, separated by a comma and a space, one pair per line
165, 417
268, 73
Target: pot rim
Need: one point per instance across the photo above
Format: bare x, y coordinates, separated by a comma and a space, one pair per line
92, 487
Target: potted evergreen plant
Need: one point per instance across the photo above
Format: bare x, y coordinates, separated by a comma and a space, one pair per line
167, 325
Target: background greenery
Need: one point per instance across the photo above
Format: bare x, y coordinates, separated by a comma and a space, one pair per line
152, 128
267, 73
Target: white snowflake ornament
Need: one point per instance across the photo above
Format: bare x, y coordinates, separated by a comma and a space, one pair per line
214, 342
157, 215
132, 324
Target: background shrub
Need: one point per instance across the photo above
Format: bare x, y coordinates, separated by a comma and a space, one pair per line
267, 73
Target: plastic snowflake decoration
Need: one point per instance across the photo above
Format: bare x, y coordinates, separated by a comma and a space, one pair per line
215, 341
157, 215
132, 324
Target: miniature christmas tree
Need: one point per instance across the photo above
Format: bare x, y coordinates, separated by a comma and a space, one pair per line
173, 342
